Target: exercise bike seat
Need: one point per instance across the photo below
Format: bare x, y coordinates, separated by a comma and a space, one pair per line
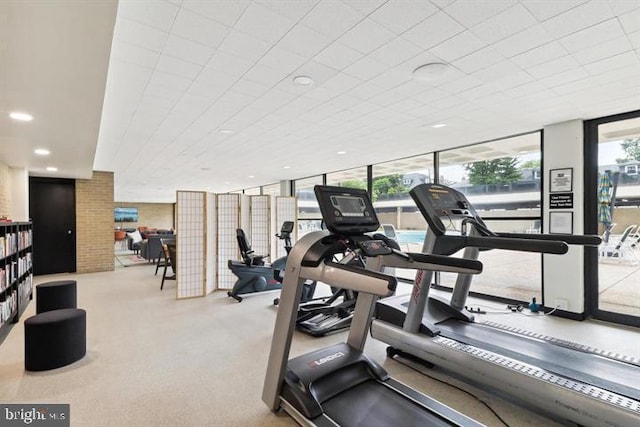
248, 255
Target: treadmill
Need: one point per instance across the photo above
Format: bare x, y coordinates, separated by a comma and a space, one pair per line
571, 381
340, 385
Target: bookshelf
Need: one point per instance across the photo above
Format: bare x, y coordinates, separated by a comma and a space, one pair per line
16, 272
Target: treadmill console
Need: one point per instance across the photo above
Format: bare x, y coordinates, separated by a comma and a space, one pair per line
437, 201
346, 211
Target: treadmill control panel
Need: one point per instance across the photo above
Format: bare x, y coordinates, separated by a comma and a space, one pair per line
346, 211
374, 248
437, 202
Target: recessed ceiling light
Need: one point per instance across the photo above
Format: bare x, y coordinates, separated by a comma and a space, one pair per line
428, 72
251, 176
23, 117
287, 167
341, 152
439, 125
227, 183
42, 151
303, 80
52, 169
225, 131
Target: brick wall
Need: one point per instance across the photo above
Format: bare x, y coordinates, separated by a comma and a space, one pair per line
94, 223
5, 190
151, 215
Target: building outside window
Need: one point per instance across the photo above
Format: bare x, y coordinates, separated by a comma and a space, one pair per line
501, 179
309, 218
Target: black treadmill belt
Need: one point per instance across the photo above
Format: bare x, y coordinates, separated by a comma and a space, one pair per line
592, 369
372, 404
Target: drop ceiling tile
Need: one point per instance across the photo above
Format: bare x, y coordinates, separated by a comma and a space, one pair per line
470, 14
304, 41
366, 36
178, 67
395, 52
192, 26
365, 68
341, 82
159, 15
631, 21
523, 41
164, 92
457, 46
620, 7
564, 78
341, 17
604, 50
400, 15
462, 84
555, 66
544, 10
263, 23
364, 6
132, 32
627, 59
433, 30
576, 19
496, 72
338, 56
634, 38
171, 81
292, 9
392, 78
134, 54
442, 3
591, 36
188, 50
265, 75
228, 63
504, 24
225, 12
278, 58
478, 60
540, 55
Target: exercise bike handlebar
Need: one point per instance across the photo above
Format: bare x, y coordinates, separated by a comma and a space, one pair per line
570, 239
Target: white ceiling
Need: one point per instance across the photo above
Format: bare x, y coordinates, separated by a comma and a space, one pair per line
181, 71
53, 64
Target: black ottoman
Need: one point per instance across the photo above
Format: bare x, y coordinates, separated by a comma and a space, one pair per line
56, 295
54, 339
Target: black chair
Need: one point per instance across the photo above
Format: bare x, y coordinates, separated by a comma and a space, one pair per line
248, 256
169, 250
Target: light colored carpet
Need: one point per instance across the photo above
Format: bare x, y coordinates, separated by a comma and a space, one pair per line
129, 260
155, 361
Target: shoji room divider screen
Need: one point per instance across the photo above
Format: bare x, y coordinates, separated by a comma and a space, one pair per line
228, 220
191, 209
260, 234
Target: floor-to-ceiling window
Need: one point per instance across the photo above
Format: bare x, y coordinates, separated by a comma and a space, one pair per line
502, 180
309, 218
393, 204
613, 189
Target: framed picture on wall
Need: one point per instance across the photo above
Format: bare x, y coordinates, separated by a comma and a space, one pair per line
561, 180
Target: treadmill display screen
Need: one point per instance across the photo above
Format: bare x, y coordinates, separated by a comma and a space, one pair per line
349, 206
346, 211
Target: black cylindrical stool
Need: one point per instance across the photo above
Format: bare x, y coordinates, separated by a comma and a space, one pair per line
54, 339
56, 295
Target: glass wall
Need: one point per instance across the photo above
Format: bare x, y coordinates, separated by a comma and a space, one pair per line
501, 179
353, 178
254, 191
271, 189
618, 213
309, 218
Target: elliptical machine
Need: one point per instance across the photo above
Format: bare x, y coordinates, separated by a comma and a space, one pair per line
254, 275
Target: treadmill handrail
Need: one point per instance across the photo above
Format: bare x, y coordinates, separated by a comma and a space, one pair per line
351, 277
420, 261
570, 239
447, 245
